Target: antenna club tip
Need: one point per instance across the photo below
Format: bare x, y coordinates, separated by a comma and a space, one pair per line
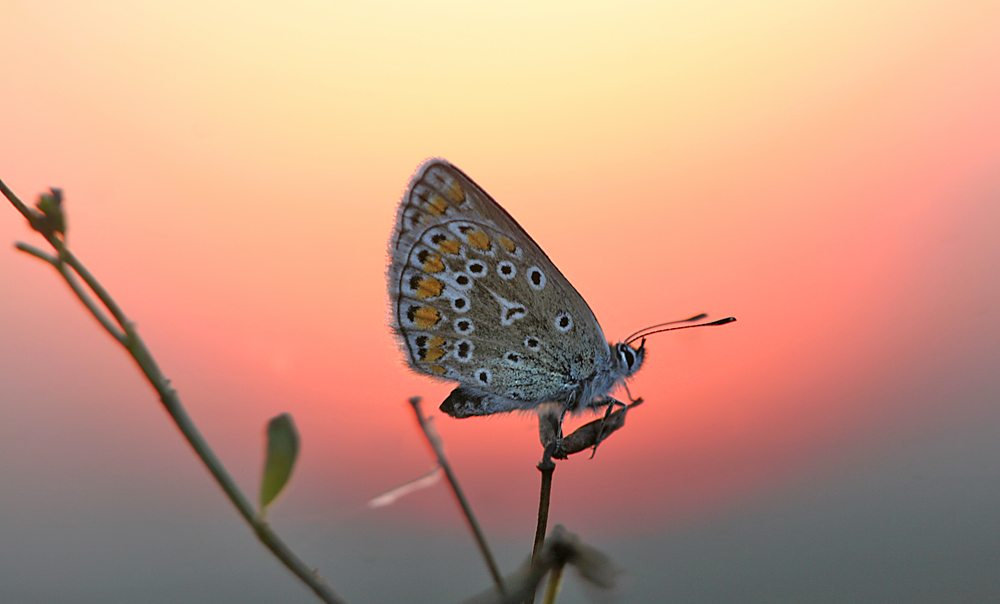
723, 321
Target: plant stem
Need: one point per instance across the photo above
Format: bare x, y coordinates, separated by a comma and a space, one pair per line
546, 467
435, 442
129, 338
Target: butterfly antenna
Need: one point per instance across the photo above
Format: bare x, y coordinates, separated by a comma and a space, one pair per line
639, 333
647, 332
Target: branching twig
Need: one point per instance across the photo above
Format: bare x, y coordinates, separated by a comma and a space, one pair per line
124, 332
115, 332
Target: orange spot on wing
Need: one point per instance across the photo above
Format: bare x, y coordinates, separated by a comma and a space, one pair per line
433, 354
455, 192
435, 341
479, 240
437, 369
508, 245
450, 246
428, 287
433, 264
426, 316
437, 205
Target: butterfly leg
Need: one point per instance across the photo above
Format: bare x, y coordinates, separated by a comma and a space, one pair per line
550, 416
629, 393
606, 427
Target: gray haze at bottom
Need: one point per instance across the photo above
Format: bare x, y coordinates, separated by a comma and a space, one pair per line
919, 525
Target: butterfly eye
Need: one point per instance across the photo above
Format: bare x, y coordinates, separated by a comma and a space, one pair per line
626, 355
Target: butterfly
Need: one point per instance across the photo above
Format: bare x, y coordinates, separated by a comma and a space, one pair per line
475, 300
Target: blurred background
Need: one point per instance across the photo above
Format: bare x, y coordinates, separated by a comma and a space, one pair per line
827, 172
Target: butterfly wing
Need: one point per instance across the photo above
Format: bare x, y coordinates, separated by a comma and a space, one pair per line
475, 300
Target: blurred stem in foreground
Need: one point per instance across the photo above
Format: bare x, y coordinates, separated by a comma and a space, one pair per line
561, 549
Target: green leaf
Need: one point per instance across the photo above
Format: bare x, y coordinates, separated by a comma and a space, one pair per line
282, 449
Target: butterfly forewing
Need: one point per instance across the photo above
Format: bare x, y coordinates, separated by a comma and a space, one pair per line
475, 300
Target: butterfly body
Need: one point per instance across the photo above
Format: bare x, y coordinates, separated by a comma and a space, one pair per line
475, 300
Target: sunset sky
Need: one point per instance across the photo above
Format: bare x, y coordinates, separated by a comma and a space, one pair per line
827, 172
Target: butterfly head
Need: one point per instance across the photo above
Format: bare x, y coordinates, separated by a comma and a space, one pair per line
628, 359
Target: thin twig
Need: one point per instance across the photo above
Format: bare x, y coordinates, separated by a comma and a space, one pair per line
546, 467
435, 442
14, 199
115, 332
37, 253
130, 339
